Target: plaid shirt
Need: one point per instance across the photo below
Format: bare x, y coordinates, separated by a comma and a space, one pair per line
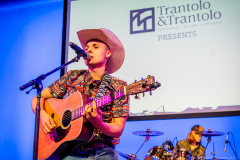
197, 152
81, 81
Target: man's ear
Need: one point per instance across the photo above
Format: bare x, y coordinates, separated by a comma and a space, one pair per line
108, 54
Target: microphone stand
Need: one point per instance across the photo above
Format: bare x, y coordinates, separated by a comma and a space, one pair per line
37, 84
232, 149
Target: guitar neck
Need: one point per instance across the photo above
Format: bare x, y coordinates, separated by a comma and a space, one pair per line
100, 102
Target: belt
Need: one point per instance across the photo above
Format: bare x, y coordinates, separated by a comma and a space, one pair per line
92, 145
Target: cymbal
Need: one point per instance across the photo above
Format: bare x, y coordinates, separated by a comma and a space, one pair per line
212, 133
128, 156
148, 133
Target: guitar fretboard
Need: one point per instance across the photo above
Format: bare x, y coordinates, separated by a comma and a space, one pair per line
100, 102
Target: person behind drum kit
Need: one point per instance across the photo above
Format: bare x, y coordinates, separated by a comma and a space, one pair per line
192, 143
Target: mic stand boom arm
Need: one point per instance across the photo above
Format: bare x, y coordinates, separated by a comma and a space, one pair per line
43, 76
37, 83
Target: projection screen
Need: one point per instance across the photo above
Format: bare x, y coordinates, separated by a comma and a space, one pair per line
190, 47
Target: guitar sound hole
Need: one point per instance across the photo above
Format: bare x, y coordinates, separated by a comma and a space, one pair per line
66, 118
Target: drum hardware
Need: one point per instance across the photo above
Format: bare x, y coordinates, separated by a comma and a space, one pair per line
160, 152
156, 152
128, 156
183, 154
212, 133
146, 133
168, 145
163, 152
213, 152
209, 135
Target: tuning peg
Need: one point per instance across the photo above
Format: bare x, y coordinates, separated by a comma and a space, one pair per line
158, 84
137, 96
144, 84
155, 85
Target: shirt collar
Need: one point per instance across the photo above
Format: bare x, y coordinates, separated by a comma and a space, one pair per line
89, 77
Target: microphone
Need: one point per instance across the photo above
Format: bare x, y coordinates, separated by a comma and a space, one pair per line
226, 142
79, 51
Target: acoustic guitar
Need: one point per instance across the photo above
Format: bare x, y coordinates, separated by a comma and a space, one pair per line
72, 128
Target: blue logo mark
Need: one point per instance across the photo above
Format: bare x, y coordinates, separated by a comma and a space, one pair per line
142, 20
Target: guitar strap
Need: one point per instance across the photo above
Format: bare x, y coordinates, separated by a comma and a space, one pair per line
106, 80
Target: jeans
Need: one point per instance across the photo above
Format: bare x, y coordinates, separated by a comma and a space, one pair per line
107, 153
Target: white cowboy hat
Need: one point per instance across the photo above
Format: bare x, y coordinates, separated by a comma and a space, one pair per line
111, 40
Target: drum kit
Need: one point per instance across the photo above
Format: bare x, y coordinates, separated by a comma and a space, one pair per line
165, 152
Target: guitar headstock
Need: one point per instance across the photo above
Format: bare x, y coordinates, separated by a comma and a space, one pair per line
144, 85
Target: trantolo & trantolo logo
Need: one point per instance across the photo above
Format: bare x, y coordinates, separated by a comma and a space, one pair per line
143, 20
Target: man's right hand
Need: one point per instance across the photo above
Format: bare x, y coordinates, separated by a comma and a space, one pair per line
47, 122
48, 125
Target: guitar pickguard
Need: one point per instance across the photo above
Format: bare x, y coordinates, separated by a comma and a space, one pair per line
60, 133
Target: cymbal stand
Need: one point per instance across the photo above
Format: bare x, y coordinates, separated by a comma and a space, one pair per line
209, 139
146, 139
213, 152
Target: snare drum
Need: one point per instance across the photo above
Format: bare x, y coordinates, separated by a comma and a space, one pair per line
156, 152
167, 155
183, 154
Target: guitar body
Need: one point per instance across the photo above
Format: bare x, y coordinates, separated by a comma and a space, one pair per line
69, 133
72, 129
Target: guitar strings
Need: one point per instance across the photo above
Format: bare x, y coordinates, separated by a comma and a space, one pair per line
76, 115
